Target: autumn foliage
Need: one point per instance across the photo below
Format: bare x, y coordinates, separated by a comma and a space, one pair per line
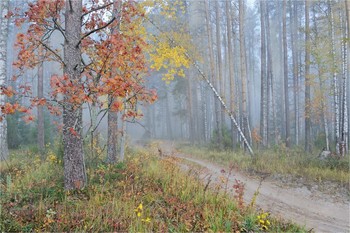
113, 59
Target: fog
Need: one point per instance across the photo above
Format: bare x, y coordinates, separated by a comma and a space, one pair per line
253, 87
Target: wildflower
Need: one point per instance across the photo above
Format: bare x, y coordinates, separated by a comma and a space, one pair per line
263, 221
138, 210
147, 220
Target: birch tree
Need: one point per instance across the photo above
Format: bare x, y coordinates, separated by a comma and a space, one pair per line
344, 117
347, 65
263, 91
335, 81
4, 4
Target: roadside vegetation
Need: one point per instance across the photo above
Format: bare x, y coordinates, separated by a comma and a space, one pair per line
278, 161
144, 193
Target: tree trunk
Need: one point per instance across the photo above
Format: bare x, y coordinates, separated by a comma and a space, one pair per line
344, 117
168, 118
41, 126
230, 67
335, 83
74, 165
307, 81
347, 7
4, 4
285, 70
112, 136
123, 137
270, 93
243, 69
294, 32
263, 99
323, 98
190, 107
112, 119
212, 71
220, 78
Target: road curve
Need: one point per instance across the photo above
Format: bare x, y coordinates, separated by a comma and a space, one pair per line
316, 212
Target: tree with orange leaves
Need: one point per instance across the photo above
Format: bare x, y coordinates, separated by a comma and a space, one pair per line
96, 61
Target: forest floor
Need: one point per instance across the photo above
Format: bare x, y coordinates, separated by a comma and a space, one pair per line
318, 211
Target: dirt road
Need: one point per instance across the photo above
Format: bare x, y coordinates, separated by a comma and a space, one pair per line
317, 212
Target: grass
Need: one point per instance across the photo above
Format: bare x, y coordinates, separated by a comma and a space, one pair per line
142, 194
292, 162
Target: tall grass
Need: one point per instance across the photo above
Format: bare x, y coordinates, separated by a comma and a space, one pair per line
141, 195
278, 161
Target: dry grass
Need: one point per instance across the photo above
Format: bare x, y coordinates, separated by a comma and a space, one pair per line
142, 194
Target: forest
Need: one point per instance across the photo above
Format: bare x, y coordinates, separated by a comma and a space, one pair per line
174, 115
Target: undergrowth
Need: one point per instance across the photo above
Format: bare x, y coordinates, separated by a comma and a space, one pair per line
277, 161
140, 195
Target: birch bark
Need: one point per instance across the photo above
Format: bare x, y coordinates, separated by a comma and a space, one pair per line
335, 83
4, 4
263, 100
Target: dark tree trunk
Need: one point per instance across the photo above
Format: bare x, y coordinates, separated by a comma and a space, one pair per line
112, 147
74, 166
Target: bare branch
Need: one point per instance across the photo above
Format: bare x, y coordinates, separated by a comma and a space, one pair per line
53, 52
96, 9
96, 30
59, 28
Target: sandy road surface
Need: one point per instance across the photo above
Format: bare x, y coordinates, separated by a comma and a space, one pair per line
316, 212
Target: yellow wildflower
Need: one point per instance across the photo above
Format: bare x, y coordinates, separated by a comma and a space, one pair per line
147, 220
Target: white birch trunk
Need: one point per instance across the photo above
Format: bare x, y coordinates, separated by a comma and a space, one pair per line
3, 75
335, 84
344, 117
